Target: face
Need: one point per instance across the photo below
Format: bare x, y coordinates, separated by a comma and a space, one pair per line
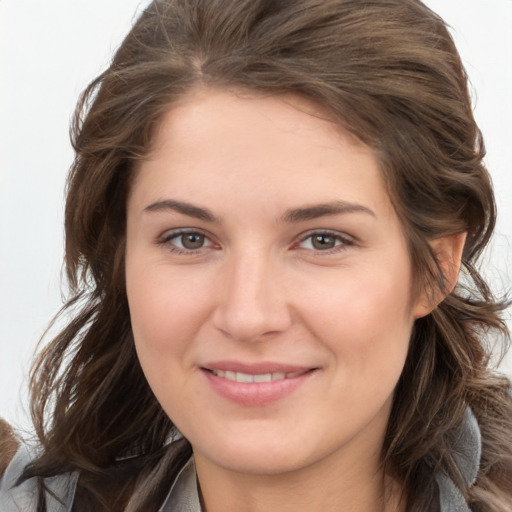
269, 283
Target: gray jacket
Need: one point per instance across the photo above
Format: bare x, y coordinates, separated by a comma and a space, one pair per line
183, 495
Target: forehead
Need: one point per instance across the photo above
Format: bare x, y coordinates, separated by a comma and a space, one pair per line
281, 148
274, 112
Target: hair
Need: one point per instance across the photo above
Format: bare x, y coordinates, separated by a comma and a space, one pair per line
388, 72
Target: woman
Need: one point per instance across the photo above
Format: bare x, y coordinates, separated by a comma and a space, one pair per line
265, 222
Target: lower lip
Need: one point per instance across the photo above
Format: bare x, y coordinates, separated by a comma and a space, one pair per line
255, 394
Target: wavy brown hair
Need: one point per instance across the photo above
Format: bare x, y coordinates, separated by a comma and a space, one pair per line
389, 73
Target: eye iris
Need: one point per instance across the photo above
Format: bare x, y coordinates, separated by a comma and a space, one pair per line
323, 242
192, 240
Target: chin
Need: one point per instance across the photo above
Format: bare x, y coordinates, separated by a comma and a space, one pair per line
264, 455
257, 462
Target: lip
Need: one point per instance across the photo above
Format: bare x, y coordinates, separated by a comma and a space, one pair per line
256, 394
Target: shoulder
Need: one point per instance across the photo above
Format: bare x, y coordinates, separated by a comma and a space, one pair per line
9, 445
466, 447
15, 496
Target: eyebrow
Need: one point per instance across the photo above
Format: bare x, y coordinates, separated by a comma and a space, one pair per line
290, 216
324, 209
183, 208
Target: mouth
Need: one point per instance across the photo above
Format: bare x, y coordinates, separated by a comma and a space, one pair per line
256, 385
248, 378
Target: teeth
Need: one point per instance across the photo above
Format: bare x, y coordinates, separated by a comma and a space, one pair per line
247, 377
244, 377
266, 377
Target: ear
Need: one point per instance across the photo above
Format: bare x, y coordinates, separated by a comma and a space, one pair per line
448, 253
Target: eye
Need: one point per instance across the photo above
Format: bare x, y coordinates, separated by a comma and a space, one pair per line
190, 240
185, 241
324, 241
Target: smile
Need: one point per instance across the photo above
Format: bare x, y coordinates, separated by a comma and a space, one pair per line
256, 385
248, 378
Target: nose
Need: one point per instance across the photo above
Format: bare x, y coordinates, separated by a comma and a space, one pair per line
252, 303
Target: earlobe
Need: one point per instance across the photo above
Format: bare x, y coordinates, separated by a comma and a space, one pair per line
448, 253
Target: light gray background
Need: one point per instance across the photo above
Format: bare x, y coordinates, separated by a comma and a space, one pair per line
50, 50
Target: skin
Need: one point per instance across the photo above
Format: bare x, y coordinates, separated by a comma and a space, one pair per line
259, 290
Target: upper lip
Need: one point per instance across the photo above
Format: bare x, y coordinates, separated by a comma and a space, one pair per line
255, 368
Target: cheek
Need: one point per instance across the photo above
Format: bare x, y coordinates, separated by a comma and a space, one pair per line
365, 320
166, 314
164, 306
165, 317
367, 301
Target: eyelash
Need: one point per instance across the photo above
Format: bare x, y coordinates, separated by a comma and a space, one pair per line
345, 241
